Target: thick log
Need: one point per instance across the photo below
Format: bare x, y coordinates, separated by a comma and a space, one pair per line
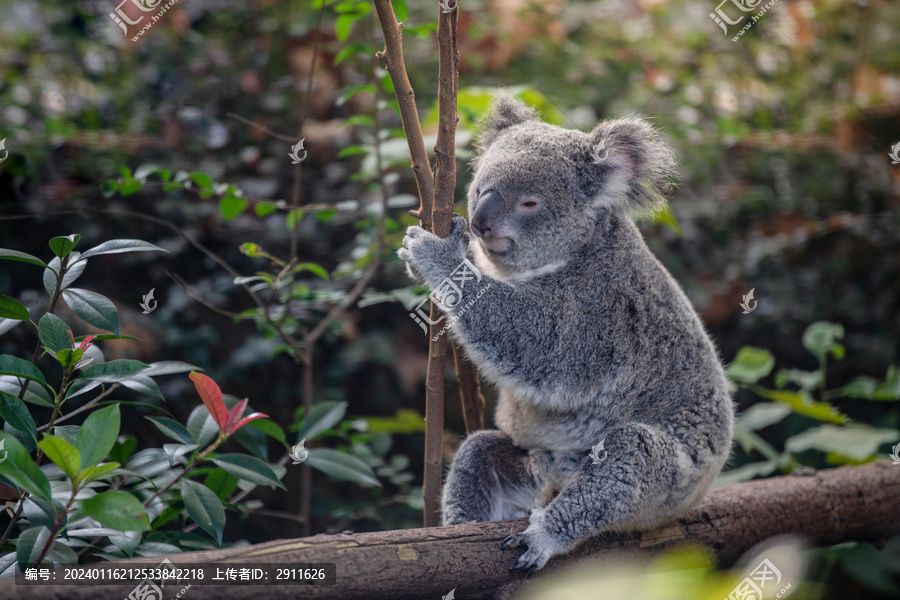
825, 507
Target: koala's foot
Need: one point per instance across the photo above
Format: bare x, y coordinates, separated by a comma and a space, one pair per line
542, 546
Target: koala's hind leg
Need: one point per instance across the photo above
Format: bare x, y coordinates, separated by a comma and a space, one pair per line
491, 479
646, 477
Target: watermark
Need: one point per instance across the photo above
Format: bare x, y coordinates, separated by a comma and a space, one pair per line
600, 153
296, 159
3, 447
745, 6
595, 452
148, 590
146, 300
894, 153
298, 452
123, 20
448, 294
895, 454
754, 586
745, 303
448, 7
451, 595
6, 152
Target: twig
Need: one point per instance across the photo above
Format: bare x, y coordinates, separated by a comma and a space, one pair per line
94, 401
247, 121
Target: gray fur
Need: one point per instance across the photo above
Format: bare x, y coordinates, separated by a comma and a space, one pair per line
585, 334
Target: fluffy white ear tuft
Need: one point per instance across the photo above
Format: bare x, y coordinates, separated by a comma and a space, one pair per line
626, 165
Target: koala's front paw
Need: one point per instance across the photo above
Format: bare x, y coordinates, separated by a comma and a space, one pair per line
431, 255
542, 546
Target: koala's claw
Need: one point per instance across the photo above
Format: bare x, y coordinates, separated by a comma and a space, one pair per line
513, 540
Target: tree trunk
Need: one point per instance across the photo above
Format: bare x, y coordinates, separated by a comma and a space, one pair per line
828, 507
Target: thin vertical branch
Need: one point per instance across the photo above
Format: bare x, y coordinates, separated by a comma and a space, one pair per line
441, 220
392, 57
469, 391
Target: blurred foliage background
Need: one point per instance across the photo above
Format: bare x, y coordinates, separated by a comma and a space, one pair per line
787, 188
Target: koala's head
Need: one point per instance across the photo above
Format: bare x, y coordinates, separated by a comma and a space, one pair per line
539, 189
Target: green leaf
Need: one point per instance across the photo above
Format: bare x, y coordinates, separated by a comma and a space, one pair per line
312, 268
204, 507
858, 442
176, 451
143, 384
67, 358
10, 308
73, 271
20, 470
54, 333
231, 206
30, 545
763, 414
664, 216
202, 426
222, 483
890, 387
169, 367
123, 448
342, 26
63, 454
263, 209
405, 421
172, 429
802, 404
12, 365
7, 254
63, 244
805, 380
248, 468
34, 393
204, 182
91, 473
270, 428
322, 416
16, 414
821, 337
341, 465
92, 308
114, 371
750, 365
119, 246
353, 49
98, 434
253, 440
858, 387
118, 510
353, 90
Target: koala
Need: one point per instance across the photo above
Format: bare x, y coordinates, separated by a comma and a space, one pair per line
613, 412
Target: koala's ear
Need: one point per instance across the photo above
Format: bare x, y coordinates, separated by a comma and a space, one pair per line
627, 165
505, 112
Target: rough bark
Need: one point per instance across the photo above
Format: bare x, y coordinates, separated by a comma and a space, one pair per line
469, 391
828, 507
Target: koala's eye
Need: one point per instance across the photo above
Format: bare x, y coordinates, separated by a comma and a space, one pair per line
529, 203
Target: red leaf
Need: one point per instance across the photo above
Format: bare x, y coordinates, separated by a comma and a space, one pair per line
249, 418
212, 398
85, 343
236, 412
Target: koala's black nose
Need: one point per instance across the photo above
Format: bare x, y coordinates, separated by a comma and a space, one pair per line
487, 213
